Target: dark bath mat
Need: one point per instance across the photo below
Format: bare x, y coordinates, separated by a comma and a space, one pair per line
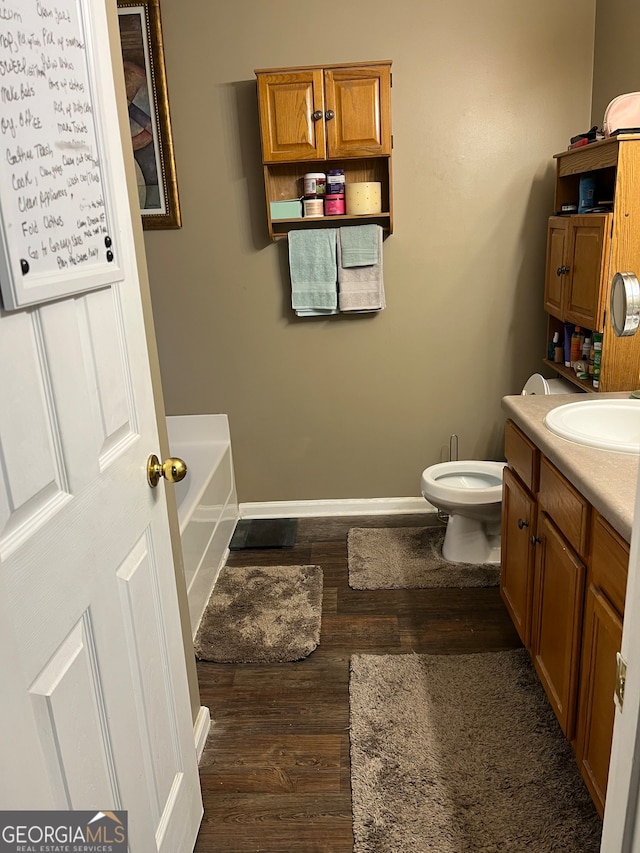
264, 533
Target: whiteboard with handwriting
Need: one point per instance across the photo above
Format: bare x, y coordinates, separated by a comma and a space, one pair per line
57, 230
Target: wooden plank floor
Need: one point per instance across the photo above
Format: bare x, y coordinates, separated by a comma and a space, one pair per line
275, 770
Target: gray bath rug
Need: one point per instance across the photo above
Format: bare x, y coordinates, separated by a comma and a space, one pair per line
462, 754
262, 615
409, 558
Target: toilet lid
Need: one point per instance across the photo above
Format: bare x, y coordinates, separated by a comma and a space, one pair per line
535, 384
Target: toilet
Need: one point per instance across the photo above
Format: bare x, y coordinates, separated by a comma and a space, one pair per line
470, 493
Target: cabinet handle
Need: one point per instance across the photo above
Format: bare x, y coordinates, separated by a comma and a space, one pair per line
329, 115
562, 271
317, 115
535, 540
522, 523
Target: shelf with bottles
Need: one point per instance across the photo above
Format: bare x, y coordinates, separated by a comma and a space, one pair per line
284, 181
582, 352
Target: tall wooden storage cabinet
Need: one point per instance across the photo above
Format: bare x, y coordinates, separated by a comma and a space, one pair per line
584, 252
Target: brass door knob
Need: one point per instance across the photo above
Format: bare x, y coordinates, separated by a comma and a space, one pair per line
172, 469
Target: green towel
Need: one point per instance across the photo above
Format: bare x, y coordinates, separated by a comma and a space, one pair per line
359, 245
314, 269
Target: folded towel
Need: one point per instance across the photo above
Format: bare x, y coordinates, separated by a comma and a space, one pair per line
313, 269
359, 245
361, 289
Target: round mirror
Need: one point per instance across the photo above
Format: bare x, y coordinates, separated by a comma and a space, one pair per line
625, 303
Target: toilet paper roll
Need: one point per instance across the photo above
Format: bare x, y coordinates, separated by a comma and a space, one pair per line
363, 197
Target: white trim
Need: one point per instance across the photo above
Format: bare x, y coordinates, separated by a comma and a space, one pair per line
201, 730
348, 506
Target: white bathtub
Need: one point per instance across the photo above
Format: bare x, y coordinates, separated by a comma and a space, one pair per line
207, 502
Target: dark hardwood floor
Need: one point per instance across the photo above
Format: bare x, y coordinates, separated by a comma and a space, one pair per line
275, 770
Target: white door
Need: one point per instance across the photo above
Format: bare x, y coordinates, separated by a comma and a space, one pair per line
94, 708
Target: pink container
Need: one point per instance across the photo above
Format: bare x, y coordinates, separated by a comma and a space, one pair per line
334, 204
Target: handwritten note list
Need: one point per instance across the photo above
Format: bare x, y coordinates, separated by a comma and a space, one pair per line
51, 177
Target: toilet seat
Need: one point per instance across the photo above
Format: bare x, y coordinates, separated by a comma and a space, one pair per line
469, 482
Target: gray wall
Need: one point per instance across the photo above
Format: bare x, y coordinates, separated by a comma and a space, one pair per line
354, 407
616, 68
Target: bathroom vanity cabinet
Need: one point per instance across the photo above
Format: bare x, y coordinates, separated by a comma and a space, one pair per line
563, 581
584, 251
317, 118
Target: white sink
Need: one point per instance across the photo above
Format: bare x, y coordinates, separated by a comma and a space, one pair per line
607, 424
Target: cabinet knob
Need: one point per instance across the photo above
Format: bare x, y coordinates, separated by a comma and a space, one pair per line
329, 115
522, 523
317, 115
562, 271
535, 540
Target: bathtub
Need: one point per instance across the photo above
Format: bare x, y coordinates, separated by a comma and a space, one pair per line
207, 502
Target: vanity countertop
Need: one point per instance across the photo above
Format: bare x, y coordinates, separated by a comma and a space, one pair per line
607, 479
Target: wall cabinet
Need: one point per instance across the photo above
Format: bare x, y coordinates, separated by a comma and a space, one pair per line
563, 581
577, 269
585, 251
318, 118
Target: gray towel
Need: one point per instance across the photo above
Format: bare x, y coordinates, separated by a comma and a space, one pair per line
313, 269
361, 289
359, 245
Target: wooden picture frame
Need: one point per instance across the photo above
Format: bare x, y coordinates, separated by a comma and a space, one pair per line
148, 102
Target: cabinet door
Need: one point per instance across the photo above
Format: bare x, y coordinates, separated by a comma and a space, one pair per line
517, 558
360, 100
602, 639
588, 261
557, 621
555, 274
288, 102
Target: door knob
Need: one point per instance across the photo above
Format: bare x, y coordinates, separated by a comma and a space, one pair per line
172, 469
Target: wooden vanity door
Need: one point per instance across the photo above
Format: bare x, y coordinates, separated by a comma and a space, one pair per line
557, 621
517, 569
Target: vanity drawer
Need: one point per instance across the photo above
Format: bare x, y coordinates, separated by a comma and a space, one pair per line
609, 562
523, 456
566, 506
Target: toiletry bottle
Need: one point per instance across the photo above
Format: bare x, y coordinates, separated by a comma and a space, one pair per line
558, 355
586, 349
591, 359
552, 346
597, 358
575, 345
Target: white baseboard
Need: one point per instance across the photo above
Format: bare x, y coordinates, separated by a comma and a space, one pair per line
350, 506
201, 730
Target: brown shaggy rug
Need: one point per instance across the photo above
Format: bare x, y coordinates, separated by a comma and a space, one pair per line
262, 615
409, 558
462, 754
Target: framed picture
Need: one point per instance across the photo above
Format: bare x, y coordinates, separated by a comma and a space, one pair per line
148, 102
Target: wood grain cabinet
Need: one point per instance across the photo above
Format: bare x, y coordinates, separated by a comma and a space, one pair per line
584, 252
602, 639
563, 581
317, 118
519, 518
576, 276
